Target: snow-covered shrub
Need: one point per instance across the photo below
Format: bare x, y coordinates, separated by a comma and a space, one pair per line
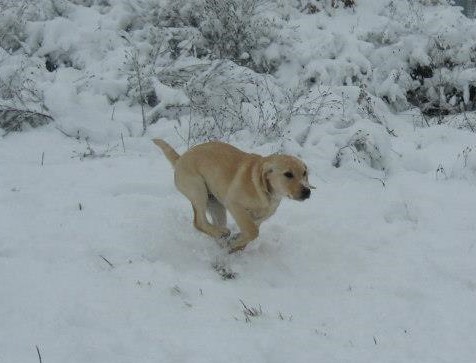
162, 36
345, 3
233, 98
464, 120
430, 67
361, 147
12, 24
316, 105
15, 119
140, 84
172, 27
21, 100
216, 29
14, 16
234, 29
171, 103
369, 109
174, 44
448, 83
316, 6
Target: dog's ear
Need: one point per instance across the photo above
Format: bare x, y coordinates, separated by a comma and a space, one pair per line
266, 169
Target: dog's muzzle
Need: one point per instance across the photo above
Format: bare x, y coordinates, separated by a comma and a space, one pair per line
305, 193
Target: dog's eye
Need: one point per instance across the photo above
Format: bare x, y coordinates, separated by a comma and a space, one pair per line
288, 175
305, 173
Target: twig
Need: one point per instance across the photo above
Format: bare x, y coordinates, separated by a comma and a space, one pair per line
105, 259
466, 118
138, 74
380, 180
77, 137
123, 145
39, 354
250, 311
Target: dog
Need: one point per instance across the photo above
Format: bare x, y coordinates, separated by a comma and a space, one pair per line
217, 177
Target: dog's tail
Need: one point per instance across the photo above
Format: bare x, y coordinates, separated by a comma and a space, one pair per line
169, 152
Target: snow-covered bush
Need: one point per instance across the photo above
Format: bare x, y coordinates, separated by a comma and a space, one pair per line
14, 16
165, 25
315, 6
206, 59
16, 119
216, 29
183, 44
432, 67
234, 29
446, 76
412, 55
362, 147
233, 98
12, 26
21, 99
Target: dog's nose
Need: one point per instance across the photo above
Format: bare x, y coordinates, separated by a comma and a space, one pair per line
305, 193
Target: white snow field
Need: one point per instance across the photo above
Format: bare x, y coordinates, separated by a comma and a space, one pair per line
99, 261
360, 272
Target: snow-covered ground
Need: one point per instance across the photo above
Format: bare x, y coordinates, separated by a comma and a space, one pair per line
99, 261
360, 272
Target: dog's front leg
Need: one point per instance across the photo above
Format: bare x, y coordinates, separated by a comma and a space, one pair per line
248, 228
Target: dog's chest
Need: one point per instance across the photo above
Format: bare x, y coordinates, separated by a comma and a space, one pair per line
261, 214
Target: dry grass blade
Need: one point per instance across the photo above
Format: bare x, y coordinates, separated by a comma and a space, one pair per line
250, 311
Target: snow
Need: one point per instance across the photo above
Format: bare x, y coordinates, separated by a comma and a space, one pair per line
99, 260
360, 272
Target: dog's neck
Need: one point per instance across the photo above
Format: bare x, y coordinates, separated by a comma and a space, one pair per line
273, 198
262, 213
265, 190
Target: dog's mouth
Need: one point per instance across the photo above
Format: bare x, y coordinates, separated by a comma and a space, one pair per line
304, 194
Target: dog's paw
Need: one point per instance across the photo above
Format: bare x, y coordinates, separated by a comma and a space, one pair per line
234, 244
236, 249
225, 233
224, 240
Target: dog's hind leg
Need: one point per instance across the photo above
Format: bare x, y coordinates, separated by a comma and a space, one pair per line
196, 191
217, 211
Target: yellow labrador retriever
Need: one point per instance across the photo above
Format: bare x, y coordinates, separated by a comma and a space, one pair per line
217, 177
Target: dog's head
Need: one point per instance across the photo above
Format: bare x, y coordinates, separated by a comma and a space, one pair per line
286, 176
